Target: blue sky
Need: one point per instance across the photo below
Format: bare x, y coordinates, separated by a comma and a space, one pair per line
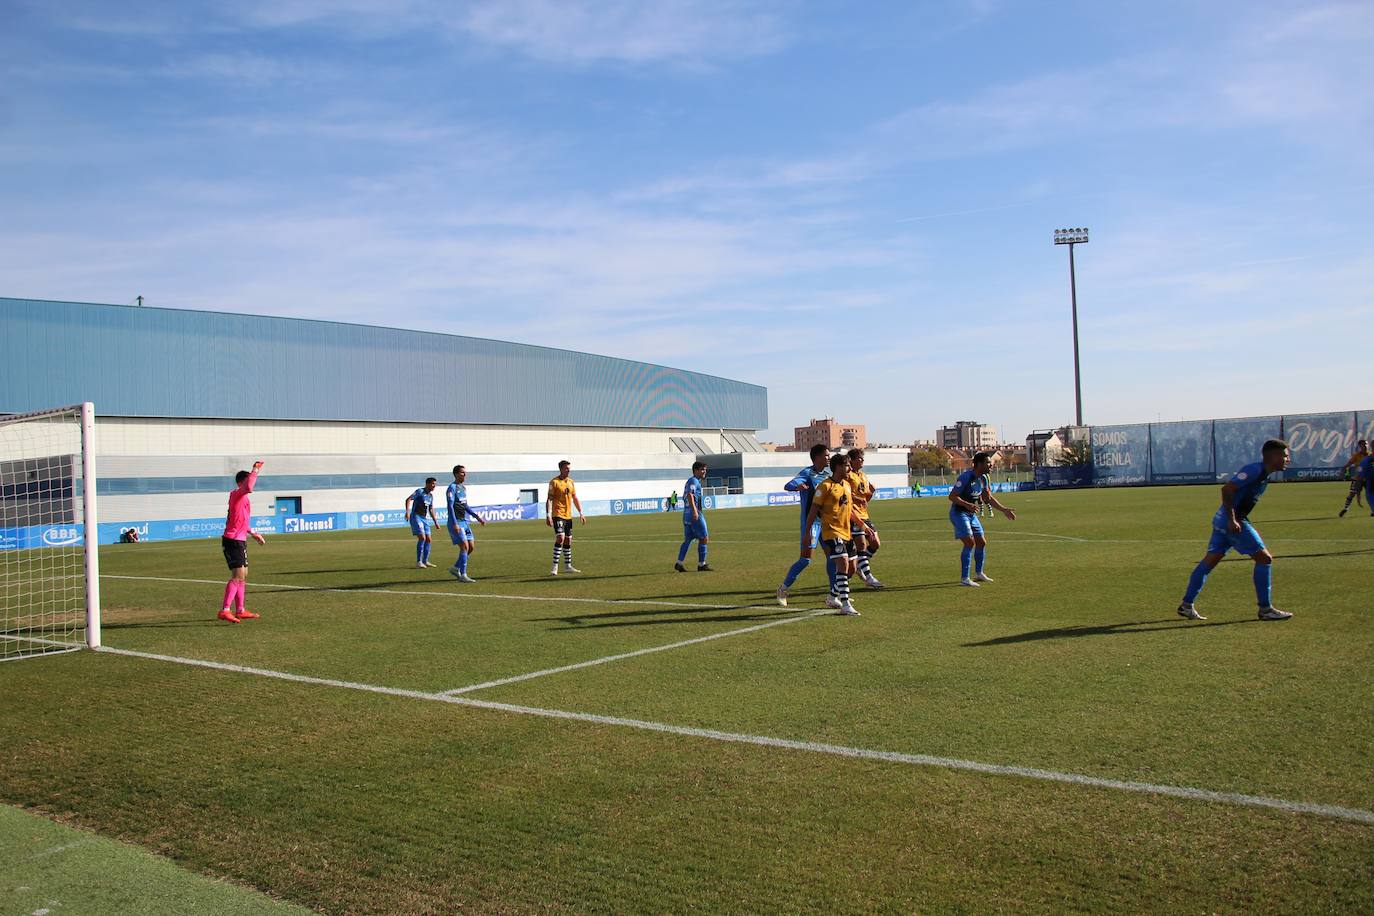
851, 204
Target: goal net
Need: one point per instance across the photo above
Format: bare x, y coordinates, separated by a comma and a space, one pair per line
49, 567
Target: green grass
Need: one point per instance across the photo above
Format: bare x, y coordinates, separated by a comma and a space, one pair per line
1073, 660
46, 866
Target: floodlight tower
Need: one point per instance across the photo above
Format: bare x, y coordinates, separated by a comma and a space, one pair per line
1073, 237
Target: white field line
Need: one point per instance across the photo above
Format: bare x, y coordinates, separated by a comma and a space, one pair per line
1336, 812
615, 658
461, 594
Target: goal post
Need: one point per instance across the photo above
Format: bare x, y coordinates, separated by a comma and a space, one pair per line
49, 532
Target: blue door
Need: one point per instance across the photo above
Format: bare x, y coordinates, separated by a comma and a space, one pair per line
288, 505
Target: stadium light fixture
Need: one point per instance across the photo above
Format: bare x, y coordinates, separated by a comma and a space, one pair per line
1073, 237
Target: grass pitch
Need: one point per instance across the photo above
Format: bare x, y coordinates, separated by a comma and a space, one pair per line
326, 793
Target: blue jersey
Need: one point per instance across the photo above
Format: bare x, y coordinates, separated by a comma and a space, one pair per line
1365, 469
422, 502
1251, 481
457, 504
969, 486
692, 488
812, 478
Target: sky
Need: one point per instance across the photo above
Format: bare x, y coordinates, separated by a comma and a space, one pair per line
850, 204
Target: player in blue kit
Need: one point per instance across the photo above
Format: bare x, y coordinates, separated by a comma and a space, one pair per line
459, 530
420, 512
1364, 478
964, 498
694, 520
805, 484
1231, 528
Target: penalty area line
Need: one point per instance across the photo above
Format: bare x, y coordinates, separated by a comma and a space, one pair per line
623, 655
1187, 793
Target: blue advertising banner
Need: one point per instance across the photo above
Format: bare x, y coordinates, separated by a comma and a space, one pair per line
638, 506
1318, 442
1181, 452
38, 536
1072, 475
1238, 442
1121, 454
1364, 425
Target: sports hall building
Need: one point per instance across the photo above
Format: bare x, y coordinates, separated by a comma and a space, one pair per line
352, 418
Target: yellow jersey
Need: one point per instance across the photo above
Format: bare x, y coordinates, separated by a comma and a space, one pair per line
862, 491
836, 507
561, 493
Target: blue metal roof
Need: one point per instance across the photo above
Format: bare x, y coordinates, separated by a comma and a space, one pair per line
155, 362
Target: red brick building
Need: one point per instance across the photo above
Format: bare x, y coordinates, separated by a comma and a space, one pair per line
829, 433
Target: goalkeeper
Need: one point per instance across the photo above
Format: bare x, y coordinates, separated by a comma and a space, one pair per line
235, 544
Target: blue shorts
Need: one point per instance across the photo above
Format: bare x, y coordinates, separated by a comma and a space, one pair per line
419, 525
460, 532
1247, 542
815, 539
694, 529
966, 525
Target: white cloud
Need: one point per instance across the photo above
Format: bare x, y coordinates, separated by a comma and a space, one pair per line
626, 31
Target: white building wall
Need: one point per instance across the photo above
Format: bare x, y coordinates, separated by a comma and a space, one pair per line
766, 472
534, 470
139, 436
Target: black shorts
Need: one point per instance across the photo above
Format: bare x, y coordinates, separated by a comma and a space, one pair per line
836, 547
856, 528
562, 526
235, 552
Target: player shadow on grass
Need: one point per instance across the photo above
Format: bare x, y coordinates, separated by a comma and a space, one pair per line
576, 621
1302, 556
1109, 629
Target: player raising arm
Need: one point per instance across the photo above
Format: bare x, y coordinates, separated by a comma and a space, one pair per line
234, 541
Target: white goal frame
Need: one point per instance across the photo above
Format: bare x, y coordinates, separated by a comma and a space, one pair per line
89, 523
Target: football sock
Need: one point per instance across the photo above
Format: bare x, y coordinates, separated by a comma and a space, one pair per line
795, 571
567, 554
1264, 580
462, 563
830, 573
701, 553
1196, 581
230, 588
425, 558
419, 551
557, 549
863, 564
1349, 498
965, 556
979, 553
682, 551
238, 593
842, 587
